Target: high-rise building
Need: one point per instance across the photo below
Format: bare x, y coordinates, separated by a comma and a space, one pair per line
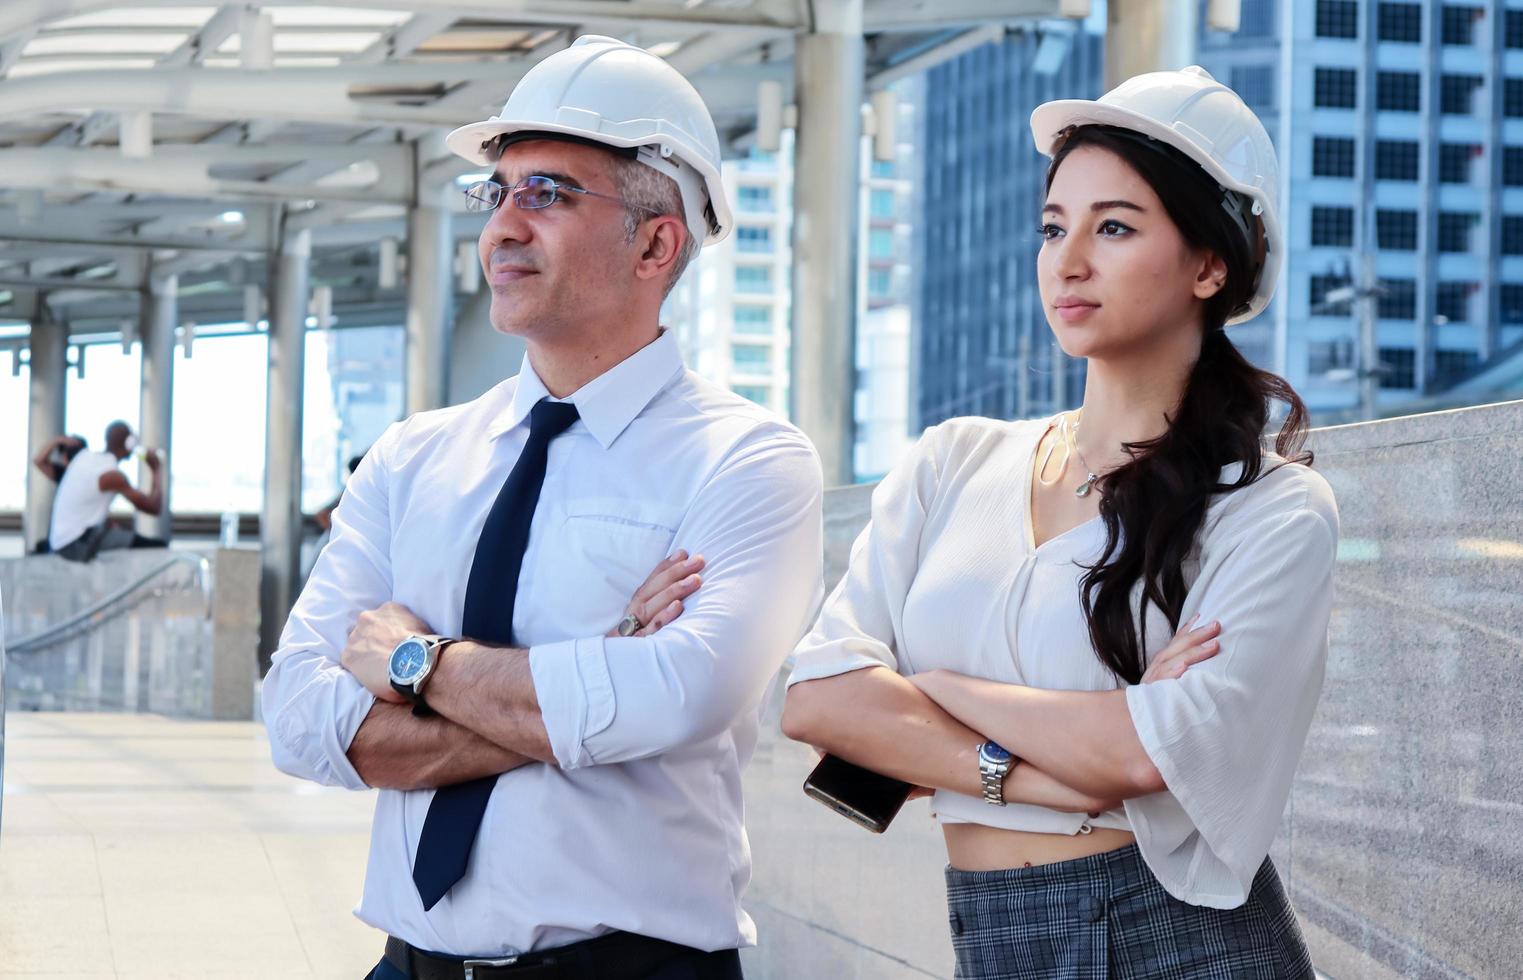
1400, 130
982, 344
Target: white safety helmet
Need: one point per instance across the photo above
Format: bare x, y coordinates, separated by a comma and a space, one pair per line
1207, 121
605, 91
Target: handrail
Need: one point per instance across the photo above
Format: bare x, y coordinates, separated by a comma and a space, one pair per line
97, 613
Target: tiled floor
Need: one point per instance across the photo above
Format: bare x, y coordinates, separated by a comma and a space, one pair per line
140, 847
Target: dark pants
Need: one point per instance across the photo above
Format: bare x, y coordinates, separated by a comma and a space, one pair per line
696, 965
104, 537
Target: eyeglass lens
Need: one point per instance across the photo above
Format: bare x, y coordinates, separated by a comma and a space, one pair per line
531, 192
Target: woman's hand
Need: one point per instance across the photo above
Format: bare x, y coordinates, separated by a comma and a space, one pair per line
659, 601
1188, 648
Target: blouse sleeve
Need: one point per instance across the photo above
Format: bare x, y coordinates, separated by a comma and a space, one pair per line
861, 622
1227, 735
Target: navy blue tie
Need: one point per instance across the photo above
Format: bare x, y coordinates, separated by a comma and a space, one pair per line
454, 815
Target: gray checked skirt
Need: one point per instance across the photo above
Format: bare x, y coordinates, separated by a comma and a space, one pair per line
1106, 917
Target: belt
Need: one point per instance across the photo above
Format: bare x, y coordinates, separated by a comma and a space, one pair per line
615, 956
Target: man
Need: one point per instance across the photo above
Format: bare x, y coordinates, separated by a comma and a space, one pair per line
51, 460
589, 820
81, 528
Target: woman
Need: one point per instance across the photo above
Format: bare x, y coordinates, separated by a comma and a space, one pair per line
1108, 782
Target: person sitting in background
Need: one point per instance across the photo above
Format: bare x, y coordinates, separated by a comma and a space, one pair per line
81, 528
55, 457
324, 518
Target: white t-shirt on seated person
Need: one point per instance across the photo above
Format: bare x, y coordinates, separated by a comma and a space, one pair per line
946, 575
80, 503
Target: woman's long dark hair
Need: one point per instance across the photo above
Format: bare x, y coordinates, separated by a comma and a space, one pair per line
1154, 504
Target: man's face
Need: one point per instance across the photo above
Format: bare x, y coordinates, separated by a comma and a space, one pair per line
561, 268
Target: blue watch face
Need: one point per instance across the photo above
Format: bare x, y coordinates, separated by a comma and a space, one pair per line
996, 753
407, 661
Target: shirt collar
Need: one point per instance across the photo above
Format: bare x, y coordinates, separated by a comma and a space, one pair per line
607, 403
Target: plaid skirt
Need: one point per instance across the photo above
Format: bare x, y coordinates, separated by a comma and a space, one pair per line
1106, 917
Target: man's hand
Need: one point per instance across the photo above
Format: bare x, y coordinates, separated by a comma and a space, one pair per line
376, 633
151, 458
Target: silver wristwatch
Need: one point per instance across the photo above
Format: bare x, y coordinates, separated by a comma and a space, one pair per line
994, 762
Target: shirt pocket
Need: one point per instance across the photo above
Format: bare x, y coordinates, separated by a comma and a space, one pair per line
614, 544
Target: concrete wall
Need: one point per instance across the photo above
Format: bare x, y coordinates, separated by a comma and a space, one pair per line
1402, 845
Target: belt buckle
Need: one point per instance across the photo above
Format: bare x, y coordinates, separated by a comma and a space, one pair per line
471, 965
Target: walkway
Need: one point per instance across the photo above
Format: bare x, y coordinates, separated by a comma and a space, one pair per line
142, 847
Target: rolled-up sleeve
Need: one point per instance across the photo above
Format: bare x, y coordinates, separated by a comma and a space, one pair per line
312, 706
757, 523
1228, 734
862, 622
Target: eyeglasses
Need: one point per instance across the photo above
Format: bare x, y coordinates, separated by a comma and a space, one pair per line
533, 193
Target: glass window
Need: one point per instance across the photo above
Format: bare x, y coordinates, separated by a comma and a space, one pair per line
1453, 301
1337, 18
880, 243
760, 394
1457, 94
1512, 235
881, 203
1454, 230
1396, 160
752, 359
1398, 301
753, 238
1512, 97
1332, 226
1255, 19
753, 198
1323, 356
1400, 22
1396, 230
1454, 162
1254, 84
1458, 24
1450, 366
1513, 29
1512, 302
208, 476
1335, 88
1319, 287
1398, 366
753, 319
883, 168
880, 283
1398, 91
1512, 166
1332, 156
753, 279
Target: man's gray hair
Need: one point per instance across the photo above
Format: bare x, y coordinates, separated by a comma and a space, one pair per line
647, 187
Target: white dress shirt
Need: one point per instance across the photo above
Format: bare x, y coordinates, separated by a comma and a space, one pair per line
639, 826
947, 575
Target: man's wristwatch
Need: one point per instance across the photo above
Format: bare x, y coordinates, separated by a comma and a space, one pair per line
994, 762
411, 665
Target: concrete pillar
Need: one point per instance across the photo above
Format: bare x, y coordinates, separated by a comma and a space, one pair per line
1148, 35
430, 254
48, 369
280, 525
828, 86
156, 332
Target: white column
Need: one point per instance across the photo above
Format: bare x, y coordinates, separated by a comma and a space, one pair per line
48, 367
280, 524
1148, 35
430, 253
828, 85
156, 333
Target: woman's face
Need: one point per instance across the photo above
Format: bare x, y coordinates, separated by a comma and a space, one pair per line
1116, 276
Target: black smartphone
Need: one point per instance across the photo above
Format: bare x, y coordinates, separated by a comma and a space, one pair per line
860, 795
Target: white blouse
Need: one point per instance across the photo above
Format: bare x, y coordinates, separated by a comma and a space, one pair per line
946, 575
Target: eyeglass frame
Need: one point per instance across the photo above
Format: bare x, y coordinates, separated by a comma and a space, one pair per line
556, 186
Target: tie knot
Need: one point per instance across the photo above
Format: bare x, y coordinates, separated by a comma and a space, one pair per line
548, 419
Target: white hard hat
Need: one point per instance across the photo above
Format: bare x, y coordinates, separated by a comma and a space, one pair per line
1207, 121
605, 91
